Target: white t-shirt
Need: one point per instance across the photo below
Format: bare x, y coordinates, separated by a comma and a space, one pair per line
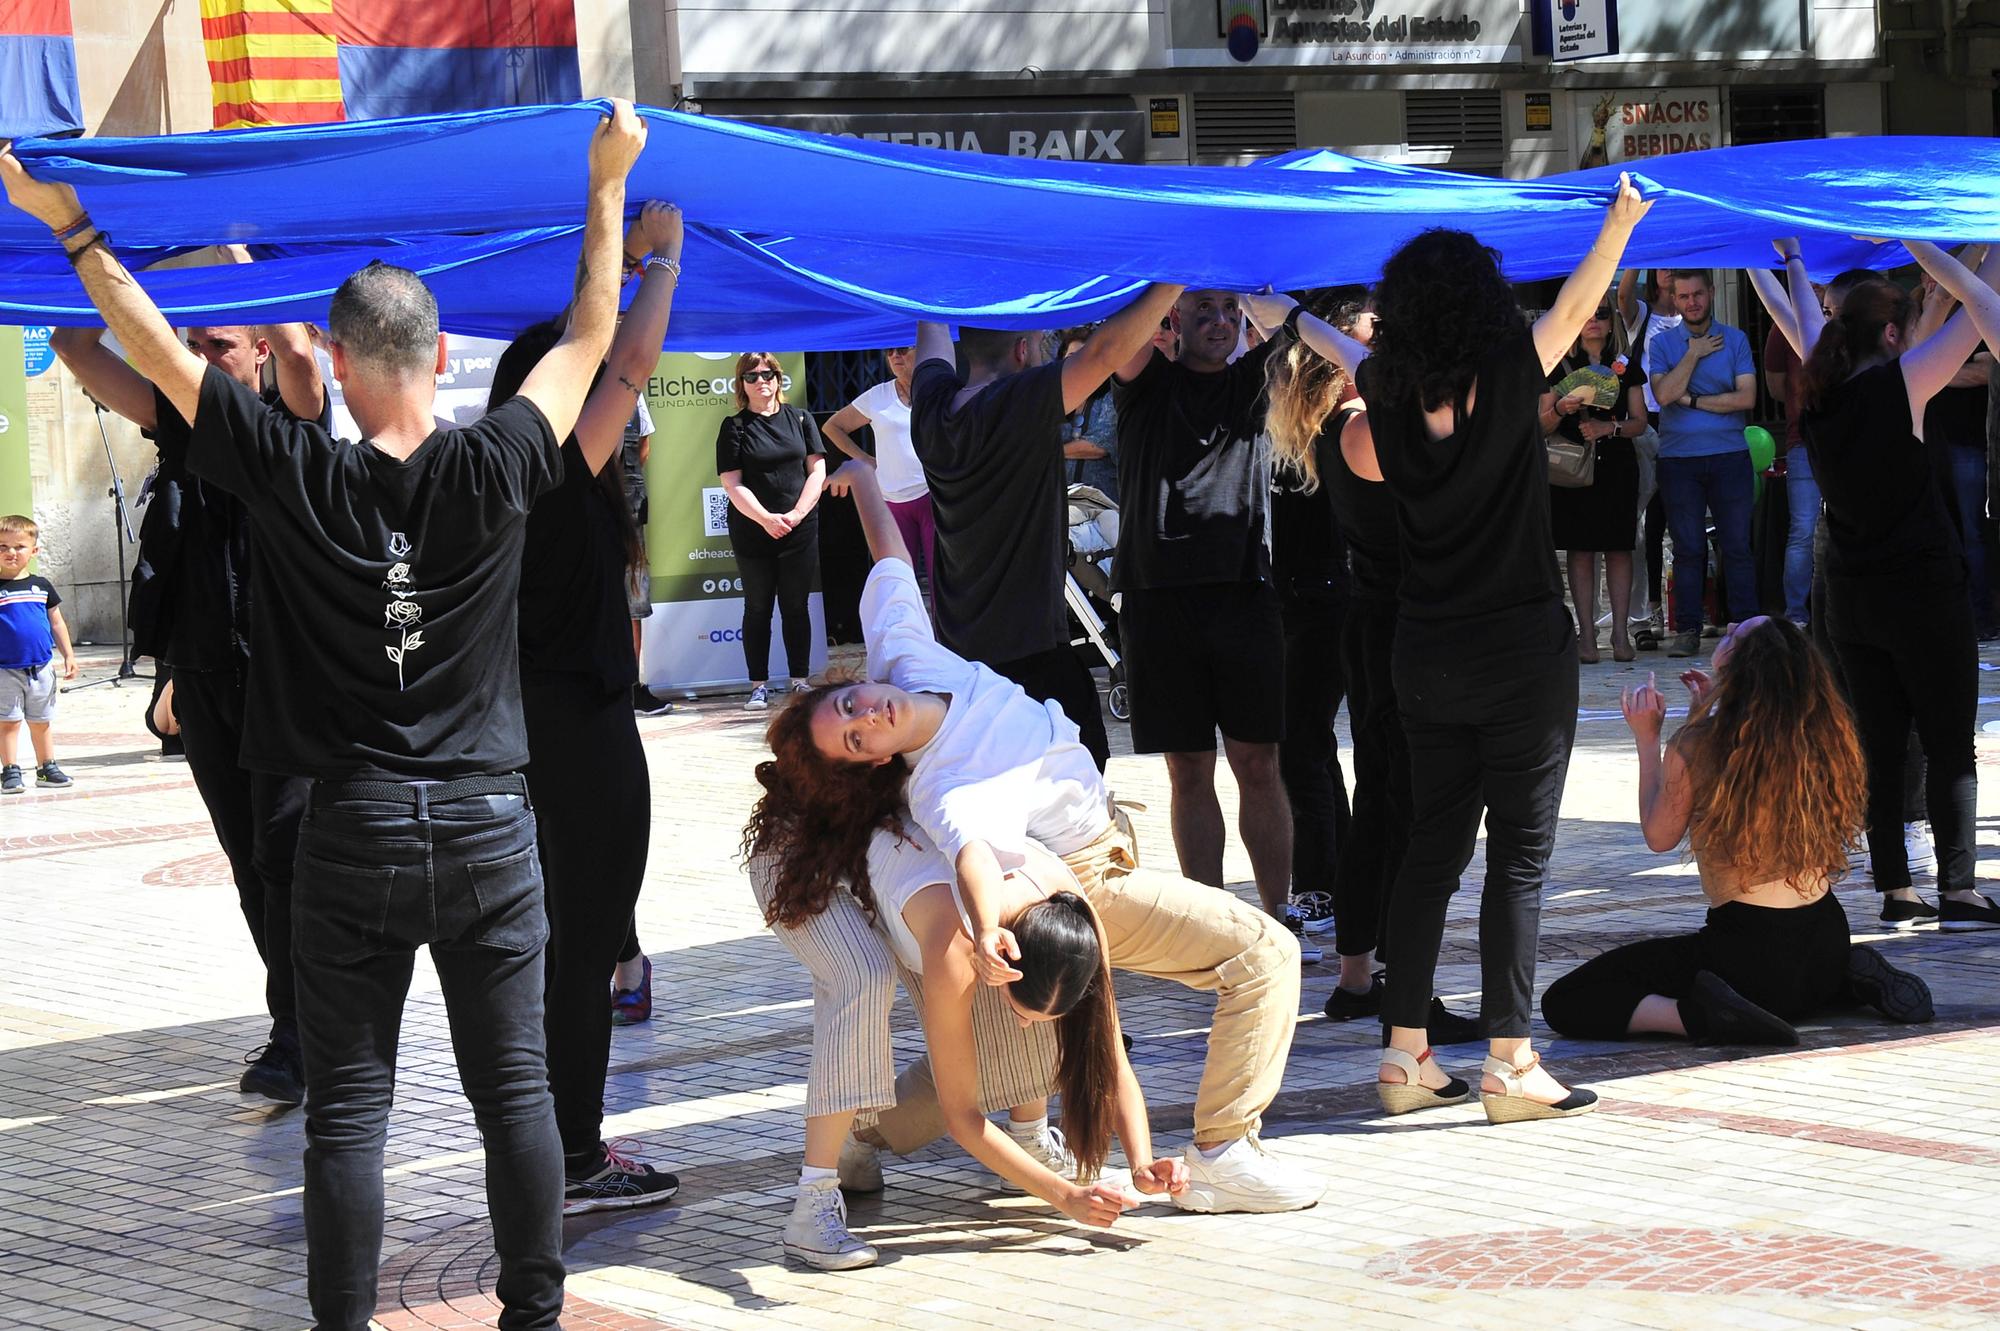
901, 867
896, 465
1002, 768
1654, 323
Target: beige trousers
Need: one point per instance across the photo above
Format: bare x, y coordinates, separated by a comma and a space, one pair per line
854, 986
1167, 926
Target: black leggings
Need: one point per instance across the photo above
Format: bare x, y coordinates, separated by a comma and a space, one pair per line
1489, 710
593, 805
1791, 962
1308, 756
1923, 669
784, 580
256, 817
1372, 843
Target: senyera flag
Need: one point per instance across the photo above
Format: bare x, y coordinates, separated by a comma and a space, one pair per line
38, 93
285, 62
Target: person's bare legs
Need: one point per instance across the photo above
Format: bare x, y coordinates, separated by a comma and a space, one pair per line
825, 1134
1656, 1015
1583, 593
1618, 580
1538, 1085
1263, 820
1357, 973
1197, 816
38, 739
10, 742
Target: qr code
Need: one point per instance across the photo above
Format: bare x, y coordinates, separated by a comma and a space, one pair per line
715, 511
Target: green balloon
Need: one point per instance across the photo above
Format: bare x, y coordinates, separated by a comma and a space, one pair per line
1763, 448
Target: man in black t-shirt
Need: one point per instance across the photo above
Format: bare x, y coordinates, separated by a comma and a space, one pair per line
991, 447
390, 573
1199, 623
191, 606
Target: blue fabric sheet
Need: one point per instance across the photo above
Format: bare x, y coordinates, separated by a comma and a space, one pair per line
806, 241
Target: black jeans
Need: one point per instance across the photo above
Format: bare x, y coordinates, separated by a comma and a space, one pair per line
1791, 962
593, 805
384, 870
1372, 845
1059, 675
785, 581
1308, 755
1920, 668
256, 817
1489, 708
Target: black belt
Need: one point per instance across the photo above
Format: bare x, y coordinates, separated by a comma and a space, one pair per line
426, 792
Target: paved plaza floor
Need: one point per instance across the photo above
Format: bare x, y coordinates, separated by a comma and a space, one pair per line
1854, 1182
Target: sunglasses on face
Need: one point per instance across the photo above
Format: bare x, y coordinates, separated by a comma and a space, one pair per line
753, 375
1603, 314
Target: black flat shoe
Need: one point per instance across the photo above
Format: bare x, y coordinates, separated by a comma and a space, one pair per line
1346, 1005
1896, 994
1715, 1014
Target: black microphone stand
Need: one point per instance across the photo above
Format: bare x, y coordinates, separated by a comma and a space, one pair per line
121, 521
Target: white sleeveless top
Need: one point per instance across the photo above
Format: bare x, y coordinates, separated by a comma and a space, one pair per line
901, 867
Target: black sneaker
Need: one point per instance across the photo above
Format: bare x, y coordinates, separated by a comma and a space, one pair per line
1714, 1013
10, 780
1315, 910
1345, 1005
48, 774
612, 1182
1898, 913
1956, 915
648, 703
1897, 995
274, 1074
1309, 952
1442, 1026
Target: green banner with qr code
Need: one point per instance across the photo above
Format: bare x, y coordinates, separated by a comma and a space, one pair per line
16, 489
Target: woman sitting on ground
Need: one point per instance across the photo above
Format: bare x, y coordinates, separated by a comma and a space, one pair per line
1766, 783
985, 769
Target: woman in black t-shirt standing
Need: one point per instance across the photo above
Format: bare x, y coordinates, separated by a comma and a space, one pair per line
772, 461
1597, 518
1485, 658
586, 772
1897, 607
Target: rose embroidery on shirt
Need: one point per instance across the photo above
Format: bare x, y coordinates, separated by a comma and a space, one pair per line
402, 612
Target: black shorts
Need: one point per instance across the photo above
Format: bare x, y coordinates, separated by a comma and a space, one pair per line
1199, 658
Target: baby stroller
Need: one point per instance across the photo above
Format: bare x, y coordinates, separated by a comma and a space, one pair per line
1093, 607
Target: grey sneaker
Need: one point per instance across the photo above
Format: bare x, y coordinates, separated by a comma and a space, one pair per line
1048, 1149
1685, 644
10, 779
860, 1166
48, 774
817, 1232
1246, 1177
759, 699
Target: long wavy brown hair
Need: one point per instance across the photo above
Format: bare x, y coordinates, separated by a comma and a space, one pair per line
1303, 388
816, 816
1780, 787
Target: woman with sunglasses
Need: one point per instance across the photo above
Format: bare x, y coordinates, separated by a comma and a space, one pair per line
772, 463
1596, 519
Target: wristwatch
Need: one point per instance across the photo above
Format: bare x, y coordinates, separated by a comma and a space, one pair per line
1694, 402
1291, 324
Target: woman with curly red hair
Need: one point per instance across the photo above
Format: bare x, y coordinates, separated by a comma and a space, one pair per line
1766, 784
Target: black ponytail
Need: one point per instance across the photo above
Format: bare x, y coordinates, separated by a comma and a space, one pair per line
1065, 973
1853, 334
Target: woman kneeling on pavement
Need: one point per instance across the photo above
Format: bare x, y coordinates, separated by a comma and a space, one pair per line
1766, 783
985, 769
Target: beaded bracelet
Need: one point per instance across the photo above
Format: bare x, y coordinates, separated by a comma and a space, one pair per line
671, 265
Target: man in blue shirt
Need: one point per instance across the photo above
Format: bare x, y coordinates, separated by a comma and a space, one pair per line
1704, 380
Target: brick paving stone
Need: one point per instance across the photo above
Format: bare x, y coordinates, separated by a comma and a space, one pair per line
1853, 1182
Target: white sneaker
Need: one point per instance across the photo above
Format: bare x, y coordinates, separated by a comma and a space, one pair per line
817, 1232
759, 699
860, 1166
1919, 849
1246, 1177
1295, 924
801, 686
1048, 1149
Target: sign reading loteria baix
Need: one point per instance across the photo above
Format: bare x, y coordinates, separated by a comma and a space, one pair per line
692, 638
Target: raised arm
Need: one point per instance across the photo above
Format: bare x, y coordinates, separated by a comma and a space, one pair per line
934, 343
1665, 805
635, 350
1628, 303
156, 354
1121, 345
1929, 366
1779, 306
560, 380
1808, 317
1269, 309
1556, 330
885, 540
299, 381
103, 374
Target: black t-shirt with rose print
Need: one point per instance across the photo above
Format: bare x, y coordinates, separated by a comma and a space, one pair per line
384, 645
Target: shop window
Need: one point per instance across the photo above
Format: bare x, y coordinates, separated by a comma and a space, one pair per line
1772, 115
1459, 131
1231, 128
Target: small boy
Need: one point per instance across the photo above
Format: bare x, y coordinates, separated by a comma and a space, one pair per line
32, 634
